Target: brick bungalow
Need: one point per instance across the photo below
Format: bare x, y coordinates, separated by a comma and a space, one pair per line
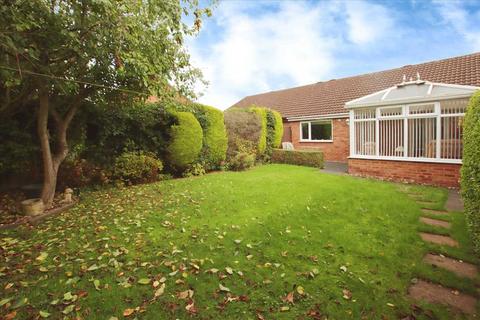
403, 124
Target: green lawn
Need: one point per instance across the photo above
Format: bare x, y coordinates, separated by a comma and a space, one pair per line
347, 248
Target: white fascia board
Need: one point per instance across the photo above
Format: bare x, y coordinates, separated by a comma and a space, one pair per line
409, 101
319, 117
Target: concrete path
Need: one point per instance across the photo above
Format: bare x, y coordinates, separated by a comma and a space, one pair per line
338, 168
454, 201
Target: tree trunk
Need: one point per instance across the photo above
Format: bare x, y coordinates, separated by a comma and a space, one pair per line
49, 172
51, 163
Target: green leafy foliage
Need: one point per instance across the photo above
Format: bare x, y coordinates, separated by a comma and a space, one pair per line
126, 128
195, 169
185, 143
470, 171
262, 140
277, 128
274, 131
298, 157
214, 135
137, 167
242, 161
243, 131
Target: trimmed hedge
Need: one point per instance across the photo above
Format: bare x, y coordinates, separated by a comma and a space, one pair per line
298, 157
470, 173
186, 138
214, 149
274, 130
262, 140
243, 131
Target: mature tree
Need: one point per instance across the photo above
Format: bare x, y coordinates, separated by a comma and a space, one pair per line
61, 54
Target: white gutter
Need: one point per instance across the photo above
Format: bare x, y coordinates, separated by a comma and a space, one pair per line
323, 116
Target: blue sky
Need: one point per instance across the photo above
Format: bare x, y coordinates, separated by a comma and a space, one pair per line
249, 47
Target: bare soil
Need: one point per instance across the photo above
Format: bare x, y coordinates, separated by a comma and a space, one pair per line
438, 239
434, 293
460, 268
435, 222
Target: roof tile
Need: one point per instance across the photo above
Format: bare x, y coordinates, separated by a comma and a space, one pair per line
329, 97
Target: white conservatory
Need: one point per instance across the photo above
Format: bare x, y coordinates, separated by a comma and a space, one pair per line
418, 121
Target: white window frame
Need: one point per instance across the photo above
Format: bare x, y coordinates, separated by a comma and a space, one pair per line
310, 130
405, 117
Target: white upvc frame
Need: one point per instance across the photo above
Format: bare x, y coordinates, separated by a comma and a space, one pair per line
437, 114
310, 130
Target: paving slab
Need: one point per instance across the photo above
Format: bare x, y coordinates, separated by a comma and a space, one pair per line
436, 212
435, 222
438, 239
454, 201
434, 293
460, 268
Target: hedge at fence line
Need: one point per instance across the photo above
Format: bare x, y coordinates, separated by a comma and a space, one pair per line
298, 157
274, 129
262, 140
243, 131
186, 141
470, 172
214, 135
112, 131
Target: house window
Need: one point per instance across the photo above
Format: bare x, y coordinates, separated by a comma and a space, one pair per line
428, 131
316, 131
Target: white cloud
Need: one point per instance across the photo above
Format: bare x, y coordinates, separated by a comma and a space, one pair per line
458, 17
262, 47
367, 22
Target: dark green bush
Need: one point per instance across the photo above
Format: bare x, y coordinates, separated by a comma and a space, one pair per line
262, 140
185, 144
111, 132
242, 161
137, 167
243, 131
298, 157
470, 172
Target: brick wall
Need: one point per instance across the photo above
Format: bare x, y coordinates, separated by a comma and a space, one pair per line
436, 174
338, 150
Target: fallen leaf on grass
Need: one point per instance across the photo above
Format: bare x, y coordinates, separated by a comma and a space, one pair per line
44, 314
144, 281
223, 288
160, 290
289, 297
300, 290
128, 312
347, 295
185, 294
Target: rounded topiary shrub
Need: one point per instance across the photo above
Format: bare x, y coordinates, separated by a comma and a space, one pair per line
214, 135
471, 168
262, 140
137, 167
185, 141
277, 128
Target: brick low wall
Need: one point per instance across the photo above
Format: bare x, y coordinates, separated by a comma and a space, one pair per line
436, 174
